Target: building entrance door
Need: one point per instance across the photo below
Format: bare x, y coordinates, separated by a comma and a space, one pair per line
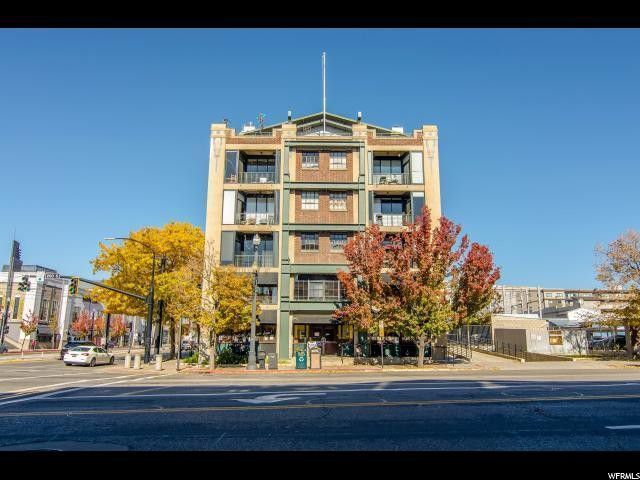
326, 336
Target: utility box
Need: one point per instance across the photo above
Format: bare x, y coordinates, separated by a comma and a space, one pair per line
316, 358
272, 361
439, 352
261, 359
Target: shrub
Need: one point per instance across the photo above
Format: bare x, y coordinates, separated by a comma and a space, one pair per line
193, 359
228, 357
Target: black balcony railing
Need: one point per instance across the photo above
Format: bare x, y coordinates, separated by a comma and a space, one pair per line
252, 177
255, 219
391, 178
392, 219
246, 261
267, 299
318, 290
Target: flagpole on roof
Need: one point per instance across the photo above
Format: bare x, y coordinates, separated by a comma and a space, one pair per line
324, 95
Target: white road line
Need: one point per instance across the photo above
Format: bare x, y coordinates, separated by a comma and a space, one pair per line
46, 395
50, 394
351, 390
126, 394
59, 384
624, 427
18, 379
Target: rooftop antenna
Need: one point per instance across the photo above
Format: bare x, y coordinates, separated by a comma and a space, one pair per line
324, 94
261, 120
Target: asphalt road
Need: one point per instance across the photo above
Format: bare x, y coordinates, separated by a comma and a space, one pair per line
47, 406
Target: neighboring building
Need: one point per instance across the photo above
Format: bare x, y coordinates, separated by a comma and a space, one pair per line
305, 189
47, 297
555, 302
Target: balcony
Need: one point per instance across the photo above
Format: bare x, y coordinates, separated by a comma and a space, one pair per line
266, 299
255, 219
318, 290
264, 259
391, 178
393, 219
252, 177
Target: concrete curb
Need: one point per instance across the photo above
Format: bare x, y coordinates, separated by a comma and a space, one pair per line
224, 371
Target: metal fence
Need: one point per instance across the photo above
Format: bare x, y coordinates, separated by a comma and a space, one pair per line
393, 219
391, 178
457, 350
264, 260
319, 290
255, 219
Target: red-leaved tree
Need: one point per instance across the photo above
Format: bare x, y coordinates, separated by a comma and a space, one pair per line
364, 287
422, 265
29, 325
81, 326
118, 326
433, 283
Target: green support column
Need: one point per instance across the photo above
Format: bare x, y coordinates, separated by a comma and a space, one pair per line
362, 216
283, 331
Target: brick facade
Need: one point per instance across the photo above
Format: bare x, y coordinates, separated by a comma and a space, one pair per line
379, 141
323, 173
324, 254
253, 140
323, 215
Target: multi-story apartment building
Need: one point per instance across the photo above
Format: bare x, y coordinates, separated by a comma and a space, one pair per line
305, 186
555, 301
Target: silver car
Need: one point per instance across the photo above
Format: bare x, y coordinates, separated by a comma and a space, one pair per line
91, 356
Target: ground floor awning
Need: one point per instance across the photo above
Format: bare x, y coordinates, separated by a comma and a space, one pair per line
268, 317
320, 319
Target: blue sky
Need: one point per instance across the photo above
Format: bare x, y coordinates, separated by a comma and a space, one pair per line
105, 131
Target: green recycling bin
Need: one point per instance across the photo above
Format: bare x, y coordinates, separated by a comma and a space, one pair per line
301, 356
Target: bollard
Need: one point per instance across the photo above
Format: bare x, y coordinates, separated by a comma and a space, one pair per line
158, 362
127, 360
136, 362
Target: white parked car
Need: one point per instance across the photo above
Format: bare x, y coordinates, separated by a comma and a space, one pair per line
91, 356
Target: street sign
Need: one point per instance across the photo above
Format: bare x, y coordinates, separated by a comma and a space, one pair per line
51, 275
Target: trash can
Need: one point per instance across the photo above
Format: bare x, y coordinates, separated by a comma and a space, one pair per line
301, 356
439, 352
316, 358
272, 361
261, 359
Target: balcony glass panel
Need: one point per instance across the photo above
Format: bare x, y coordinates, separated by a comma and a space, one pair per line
318, 290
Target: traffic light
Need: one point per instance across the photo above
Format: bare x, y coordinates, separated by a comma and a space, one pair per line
25, 284
73, 286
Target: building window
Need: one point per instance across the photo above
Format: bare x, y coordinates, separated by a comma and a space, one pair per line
44, 309
338, 201
54, 310
16, 308
310, 200
337, 160
310, 159
309, 242
338, 241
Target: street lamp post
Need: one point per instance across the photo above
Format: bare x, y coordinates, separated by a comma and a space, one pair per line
375, 310
147, 330
251, 364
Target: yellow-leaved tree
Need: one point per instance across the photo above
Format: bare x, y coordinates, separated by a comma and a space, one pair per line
226, 297
129, 264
